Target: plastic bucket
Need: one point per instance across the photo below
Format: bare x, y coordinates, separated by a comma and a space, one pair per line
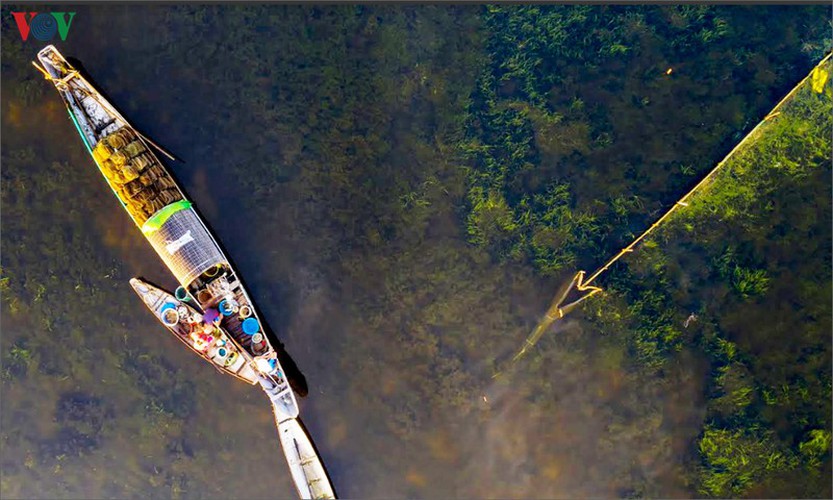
250, 326
226, 307
170, 317
213, 271
245, 311
203, 296
257, 338
219, 356
182, 294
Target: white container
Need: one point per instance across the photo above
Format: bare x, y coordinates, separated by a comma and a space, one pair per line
219, 355
170, 317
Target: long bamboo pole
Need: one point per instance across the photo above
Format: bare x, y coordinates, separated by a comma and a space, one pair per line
556, 311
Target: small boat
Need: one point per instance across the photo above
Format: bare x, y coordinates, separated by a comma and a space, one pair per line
308, 472
209, 342
167, 219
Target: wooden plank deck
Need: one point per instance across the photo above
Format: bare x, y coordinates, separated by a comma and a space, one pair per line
234, 326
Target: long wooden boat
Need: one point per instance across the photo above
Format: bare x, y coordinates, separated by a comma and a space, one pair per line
211, 295
308, 472
206, 340
168, 220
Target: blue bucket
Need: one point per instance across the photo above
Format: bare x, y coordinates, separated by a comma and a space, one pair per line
167, 306
250, 326
225, 307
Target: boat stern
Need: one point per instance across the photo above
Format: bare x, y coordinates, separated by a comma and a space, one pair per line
55, 65
150, 295
283, 400
306, 467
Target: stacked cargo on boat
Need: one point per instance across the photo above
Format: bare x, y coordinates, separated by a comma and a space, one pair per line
139, 180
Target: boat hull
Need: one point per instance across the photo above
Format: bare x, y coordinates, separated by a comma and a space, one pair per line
307, 470
159, 207
220, 351
211, 293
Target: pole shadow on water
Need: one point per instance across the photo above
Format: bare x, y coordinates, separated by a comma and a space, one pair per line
296, 379
294, 376
79, 66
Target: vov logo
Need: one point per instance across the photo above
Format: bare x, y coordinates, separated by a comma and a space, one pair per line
43, 26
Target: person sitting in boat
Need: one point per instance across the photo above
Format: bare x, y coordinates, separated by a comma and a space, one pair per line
212, 316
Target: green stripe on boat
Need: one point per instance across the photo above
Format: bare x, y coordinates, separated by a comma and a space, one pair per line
83, 137
164, 214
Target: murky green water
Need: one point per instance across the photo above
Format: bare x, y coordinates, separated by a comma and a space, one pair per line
319, 146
